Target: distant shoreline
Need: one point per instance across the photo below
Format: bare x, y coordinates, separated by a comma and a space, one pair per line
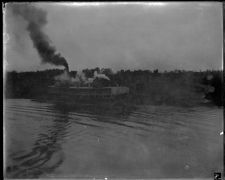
148, 87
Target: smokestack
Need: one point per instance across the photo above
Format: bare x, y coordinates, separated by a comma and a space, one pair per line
36, 19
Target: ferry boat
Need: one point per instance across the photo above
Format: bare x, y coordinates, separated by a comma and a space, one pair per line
90, 94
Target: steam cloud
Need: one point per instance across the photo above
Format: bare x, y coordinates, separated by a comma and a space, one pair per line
36, 19
80, 78
101, 76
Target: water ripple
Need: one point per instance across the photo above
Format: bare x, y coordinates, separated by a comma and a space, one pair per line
44, 139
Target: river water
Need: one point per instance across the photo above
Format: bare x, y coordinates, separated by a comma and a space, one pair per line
43, 141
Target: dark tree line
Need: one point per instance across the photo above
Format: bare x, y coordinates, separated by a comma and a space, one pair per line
173, 87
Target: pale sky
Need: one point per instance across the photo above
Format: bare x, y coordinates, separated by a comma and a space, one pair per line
165, 36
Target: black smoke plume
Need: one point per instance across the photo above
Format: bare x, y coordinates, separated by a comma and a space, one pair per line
37, 18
